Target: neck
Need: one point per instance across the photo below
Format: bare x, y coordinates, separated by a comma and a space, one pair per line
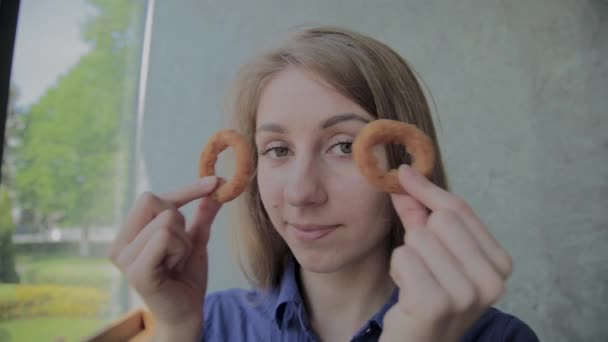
348, 298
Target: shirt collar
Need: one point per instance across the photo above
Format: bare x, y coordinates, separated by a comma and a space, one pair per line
288, 294
378, 318
289, 299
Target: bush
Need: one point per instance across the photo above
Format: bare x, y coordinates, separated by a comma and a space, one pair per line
28, 301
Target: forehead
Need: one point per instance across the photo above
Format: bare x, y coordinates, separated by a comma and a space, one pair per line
295, 96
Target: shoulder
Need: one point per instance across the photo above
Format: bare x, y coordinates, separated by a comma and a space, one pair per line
234, 314
233, 303
496, 325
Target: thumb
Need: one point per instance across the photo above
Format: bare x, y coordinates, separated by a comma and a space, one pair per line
412, 213
204, 214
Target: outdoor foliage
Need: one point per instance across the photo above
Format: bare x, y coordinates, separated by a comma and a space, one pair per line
74, 139
8, 274
28, 301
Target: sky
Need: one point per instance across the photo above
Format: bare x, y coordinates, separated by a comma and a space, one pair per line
48, 43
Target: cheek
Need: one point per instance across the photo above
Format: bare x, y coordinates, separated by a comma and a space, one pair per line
355, 198
345, 179
270, 185
367, 206
381, 156
371, 217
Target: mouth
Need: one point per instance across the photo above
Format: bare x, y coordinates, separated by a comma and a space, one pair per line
311, 232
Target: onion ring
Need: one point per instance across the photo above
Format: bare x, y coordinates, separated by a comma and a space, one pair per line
227, 191
382, 131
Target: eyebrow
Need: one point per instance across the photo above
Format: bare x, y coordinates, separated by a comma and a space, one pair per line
334, 120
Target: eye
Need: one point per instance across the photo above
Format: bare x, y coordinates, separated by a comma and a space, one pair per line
342, 147
276, 152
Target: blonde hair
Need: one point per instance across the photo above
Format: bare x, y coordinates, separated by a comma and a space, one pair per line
361, 68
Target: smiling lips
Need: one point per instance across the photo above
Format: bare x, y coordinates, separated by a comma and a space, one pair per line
311, 232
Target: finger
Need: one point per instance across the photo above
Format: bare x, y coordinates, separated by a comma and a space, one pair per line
177, 252
205, 213
411, 212
170, 219
162, 252
476, 264
419, 291
436, 198
146, 208
203, 187
196, 267
425, 191
445, 267
488, 244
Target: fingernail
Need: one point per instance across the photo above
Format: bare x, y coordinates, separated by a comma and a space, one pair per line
181, 265
208, 182
172, 263
404, 169
409, 171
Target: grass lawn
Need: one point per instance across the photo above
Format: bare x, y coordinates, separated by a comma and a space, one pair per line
57, 270
66, 270
6, 291
48, 329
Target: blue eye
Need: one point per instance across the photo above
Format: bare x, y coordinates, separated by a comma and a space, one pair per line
279, 151
345, 147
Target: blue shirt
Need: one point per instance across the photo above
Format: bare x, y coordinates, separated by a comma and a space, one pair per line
279, 315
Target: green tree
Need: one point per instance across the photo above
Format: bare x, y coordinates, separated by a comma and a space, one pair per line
74, 136
12, 137
8, 273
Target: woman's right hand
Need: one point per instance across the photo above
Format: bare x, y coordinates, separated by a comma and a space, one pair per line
164, 260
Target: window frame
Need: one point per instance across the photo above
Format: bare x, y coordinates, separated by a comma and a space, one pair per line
9, 14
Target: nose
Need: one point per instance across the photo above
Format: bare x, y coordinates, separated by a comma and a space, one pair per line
305, 184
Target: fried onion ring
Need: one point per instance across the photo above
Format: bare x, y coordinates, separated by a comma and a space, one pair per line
383, 131
227, 191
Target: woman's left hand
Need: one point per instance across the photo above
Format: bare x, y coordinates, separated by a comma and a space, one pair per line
449, 270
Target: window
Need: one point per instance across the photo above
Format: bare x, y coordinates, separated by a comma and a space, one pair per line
68, 166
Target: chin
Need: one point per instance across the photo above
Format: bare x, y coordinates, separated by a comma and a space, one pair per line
320, 261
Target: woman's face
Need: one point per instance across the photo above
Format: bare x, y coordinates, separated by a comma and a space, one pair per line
317, 199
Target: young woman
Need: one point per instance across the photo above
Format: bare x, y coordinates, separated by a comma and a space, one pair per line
329, 256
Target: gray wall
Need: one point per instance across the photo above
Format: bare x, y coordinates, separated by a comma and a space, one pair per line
521, 91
